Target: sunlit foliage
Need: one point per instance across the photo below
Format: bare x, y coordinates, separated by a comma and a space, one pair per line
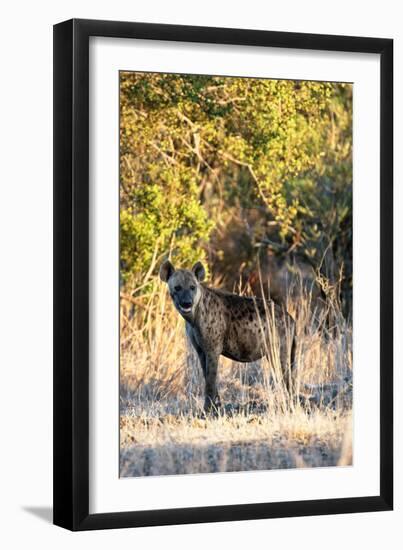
198, 152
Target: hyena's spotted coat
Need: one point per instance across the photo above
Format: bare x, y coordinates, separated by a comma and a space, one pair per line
220, 323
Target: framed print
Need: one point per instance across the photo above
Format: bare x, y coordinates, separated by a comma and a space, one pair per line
223, 236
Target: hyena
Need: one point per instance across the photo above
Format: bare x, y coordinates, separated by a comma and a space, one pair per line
221, 323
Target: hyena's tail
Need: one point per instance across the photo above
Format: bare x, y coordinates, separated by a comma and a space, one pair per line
293, 362
293, 357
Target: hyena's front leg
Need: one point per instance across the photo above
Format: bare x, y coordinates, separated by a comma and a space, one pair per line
212, 399
200, 353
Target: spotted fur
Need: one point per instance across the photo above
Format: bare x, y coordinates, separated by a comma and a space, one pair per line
221, 323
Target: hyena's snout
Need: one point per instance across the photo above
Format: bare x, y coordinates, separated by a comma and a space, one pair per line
185, 305
186, 302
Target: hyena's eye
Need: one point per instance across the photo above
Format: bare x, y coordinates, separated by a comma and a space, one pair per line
178, 288
192, 287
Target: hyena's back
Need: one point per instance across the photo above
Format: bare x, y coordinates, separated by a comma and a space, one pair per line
251, 327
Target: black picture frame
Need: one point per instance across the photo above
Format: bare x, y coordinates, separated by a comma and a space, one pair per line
71, 274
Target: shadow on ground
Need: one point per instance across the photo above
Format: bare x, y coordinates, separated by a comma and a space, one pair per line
45, 513
169, 459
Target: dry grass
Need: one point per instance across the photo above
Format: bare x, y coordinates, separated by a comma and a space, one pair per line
163, 431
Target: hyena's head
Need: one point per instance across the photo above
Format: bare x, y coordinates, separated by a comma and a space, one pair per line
184, 286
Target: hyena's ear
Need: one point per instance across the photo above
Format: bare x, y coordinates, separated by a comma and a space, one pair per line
199, 271
166, 270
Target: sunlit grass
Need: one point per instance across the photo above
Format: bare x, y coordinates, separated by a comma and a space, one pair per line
162, 427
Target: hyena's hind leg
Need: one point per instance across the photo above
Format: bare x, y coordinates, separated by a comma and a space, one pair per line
288, 351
